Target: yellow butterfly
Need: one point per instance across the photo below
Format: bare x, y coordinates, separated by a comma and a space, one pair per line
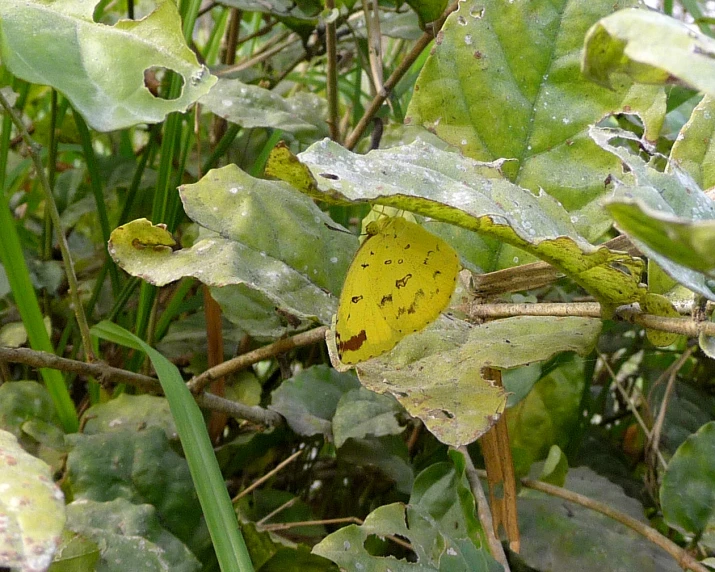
400, 280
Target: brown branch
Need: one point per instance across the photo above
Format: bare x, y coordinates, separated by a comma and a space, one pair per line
198, 383
630, 313
107, 373
331, 72
395, 77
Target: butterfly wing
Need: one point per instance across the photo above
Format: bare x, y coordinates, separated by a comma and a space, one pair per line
400, 280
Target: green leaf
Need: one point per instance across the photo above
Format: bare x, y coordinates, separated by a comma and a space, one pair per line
648, 47
102, 71
443, 490
694, 147
685, 241
560, 535
32, 508
361, 413
437, 374
388, 453
139, 466
22, 401
687, 493
428, 10
252, 106
659, 305
281, 8
503, 82
453, 189
556, 467
665, 213
433, 545
270, 218
131, 412
131, 536
75, 553
309, 399
549, 414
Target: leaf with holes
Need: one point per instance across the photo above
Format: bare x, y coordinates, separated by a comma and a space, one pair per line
105, 70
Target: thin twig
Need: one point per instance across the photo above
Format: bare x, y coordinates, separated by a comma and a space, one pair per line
268, 475
485, 516
260, 354
653, 444
344, 520
632, 406
261, 56
34, 150
395, 77
681, 556
289, 503
374, 44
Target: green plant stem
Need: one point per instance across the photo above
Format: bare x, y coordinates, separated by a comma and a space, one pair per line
231, 131
221, 521
61, 238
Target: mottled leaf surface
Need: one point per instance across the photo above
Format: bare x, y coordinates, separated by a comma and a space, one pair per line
503, 82
32, 509
437, 374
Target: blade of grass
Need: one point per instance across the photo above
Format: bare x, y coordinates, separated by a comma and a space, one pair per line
220, 517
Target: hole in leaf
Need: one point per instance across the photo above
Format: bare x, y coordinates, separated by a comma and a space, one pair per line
157, 80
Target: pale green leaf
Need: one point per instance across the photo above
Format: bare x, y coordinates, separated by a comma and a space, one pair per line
666, 214
130, 536
253, 106
218, 262
437, 374
694, 148
100, 68
649, 47
32, 508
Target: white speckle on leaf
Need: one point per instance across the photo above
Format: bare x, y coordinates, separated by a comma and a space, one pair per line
233, 190
334, 259
226, 102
